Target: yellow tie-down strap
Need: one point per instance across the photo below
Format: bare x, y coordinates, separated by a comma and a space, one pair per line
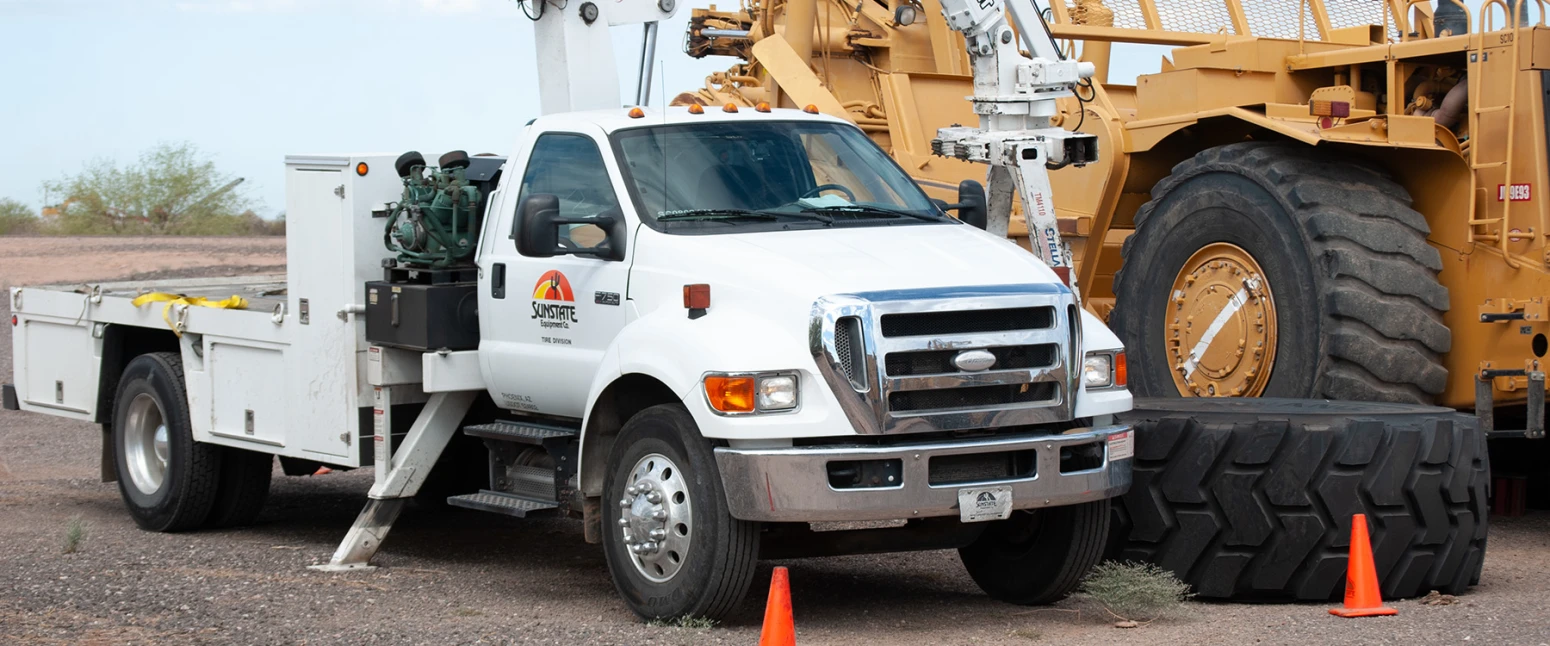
233, 303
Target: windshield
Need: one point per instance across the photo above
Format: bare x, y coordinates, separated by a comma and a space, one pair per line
704, 178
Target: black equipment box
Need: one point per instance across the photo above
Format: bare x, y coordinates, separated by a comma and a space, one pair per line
423, 317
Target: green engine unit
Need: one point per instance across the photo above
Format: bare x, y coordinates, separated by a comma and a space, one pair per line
435, 224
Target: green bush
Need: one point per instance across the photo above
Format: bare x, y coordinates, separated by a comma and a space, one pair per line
17, 219
1135, 591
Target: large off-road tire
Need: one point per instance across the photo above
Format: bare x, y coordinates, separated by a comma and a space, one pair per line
1252, 499
1273, 269
704, 559
1040, 556
243, 488
168, 481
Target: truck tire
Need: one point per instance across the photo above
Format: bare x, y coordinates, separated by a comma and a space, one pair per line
704, 558
1040, 556
1317, 265
243, 488
1251, 499
168, 481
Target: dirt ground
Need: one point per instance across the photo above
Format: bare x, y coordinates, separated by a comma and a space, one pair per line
469, 578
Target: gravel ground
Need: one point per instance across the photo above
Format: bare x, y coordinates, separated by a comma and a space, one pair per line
478, 578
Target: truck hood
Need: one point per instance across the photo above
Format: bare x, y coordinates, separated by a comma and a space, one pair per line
788, 270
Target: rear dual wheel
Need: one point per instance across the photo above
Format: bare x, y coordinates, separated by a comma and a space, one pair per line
170, 482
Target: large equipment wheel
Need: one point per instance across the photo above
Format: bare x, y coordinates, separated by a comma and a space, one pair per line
168, 481
1038, 557
673, 548
1271, 269
1252, 499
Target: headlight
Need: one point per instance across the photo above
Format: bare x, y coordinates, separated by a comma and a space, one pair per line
738, 394
776, 392
1104, 370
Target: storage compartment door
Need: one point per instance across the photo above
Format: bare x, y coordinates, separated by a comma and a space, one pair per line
60, 367
247, 393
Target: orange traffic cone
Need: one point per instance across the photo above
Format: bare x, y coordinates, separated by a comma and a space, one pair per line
779, 629
1362, 598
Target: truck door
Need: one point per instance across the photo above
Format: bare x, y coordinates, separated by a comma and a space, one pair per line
546, 322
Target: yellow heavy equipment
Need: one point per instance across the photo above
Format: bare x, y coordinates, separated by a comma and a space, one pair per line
1341, 199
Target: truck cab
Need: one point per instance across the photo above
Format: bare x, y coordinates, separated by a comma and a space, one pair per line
823, 335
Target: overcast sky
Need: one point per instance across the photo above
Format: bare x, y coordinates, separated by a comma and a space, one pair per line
250, 81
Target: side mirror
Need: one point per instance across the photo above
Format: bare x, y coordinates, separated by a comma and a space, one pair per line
971, 204
536, 230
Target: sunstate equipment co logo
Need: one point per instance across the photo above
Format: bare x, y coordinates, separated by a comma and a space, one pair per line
554, 288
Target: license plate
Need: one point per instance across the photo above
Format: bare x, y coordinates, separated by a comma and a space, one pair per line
979, 504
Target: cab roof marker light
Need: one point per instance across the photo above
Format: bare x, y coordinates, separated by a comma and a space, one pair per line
810, 109
729, 107
637, 113
762, 107
694, 108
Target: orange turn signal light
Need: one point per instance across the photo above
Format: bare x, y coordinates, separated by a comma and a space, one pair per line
1119, 369
361, 169
730, 394
762, 107
810, 109
697, 296
637, 113
694, 108
729, 107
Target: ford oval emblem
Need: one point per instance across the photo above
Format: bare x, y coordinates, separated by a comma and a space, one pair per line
974, 360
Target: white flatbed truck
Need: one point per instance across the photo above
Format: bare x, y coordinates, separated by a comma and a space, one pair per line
698, 330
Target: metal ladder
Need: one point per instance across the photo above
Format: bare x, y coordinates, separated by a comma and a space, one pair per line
1477, 58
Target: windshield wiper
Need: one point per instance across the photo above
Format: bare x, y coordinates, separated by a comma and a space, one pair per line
732, 214
868, 210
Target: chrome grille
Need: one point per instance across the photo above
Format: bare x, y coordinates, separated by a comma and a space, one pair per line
968, 321
972, 397
889, 356
937, 362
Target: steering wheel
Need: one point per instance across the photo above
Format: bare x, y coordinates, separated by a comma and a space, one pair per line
829, 187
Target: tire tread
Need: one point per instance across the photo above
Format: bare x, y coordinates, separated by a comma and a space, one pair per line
1279, 529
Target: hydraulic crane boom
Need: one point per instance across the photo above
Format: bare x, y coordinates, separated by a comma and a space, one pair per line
1014, 96
575, 55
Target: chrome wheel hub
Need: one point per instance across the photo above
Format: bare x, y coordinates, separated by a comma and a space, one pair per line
655, 517
146, 444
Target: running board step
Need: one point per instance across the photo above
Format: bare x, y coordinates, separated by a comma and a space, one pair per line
524, 432
501, 503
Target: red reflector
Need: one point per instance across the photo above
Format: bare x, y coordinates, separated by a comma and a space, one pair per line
13, 320
1064, 273
697, 297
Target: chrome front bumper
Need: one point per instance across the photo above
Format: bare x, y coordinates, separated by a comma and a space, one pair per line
792, 484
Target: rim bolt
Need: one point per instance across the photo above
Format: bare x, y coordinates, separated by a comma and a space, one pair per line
654, 497
624, 522
658, 534
660, 514
624, 502
649, 548
632, 490
629, 540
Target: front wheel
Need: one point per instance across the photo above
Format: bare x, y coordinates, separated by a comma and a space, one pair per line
1038, 557
673, 548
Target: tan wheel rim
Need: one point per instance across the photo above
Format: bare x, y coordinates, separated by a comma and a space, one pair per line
1221, 325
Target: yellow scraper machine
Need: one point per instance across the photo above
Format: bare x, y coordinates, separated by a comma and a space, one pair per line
1337, 206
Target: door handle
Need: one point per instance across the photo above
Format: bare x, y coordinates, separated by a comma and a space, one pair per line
498, 280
